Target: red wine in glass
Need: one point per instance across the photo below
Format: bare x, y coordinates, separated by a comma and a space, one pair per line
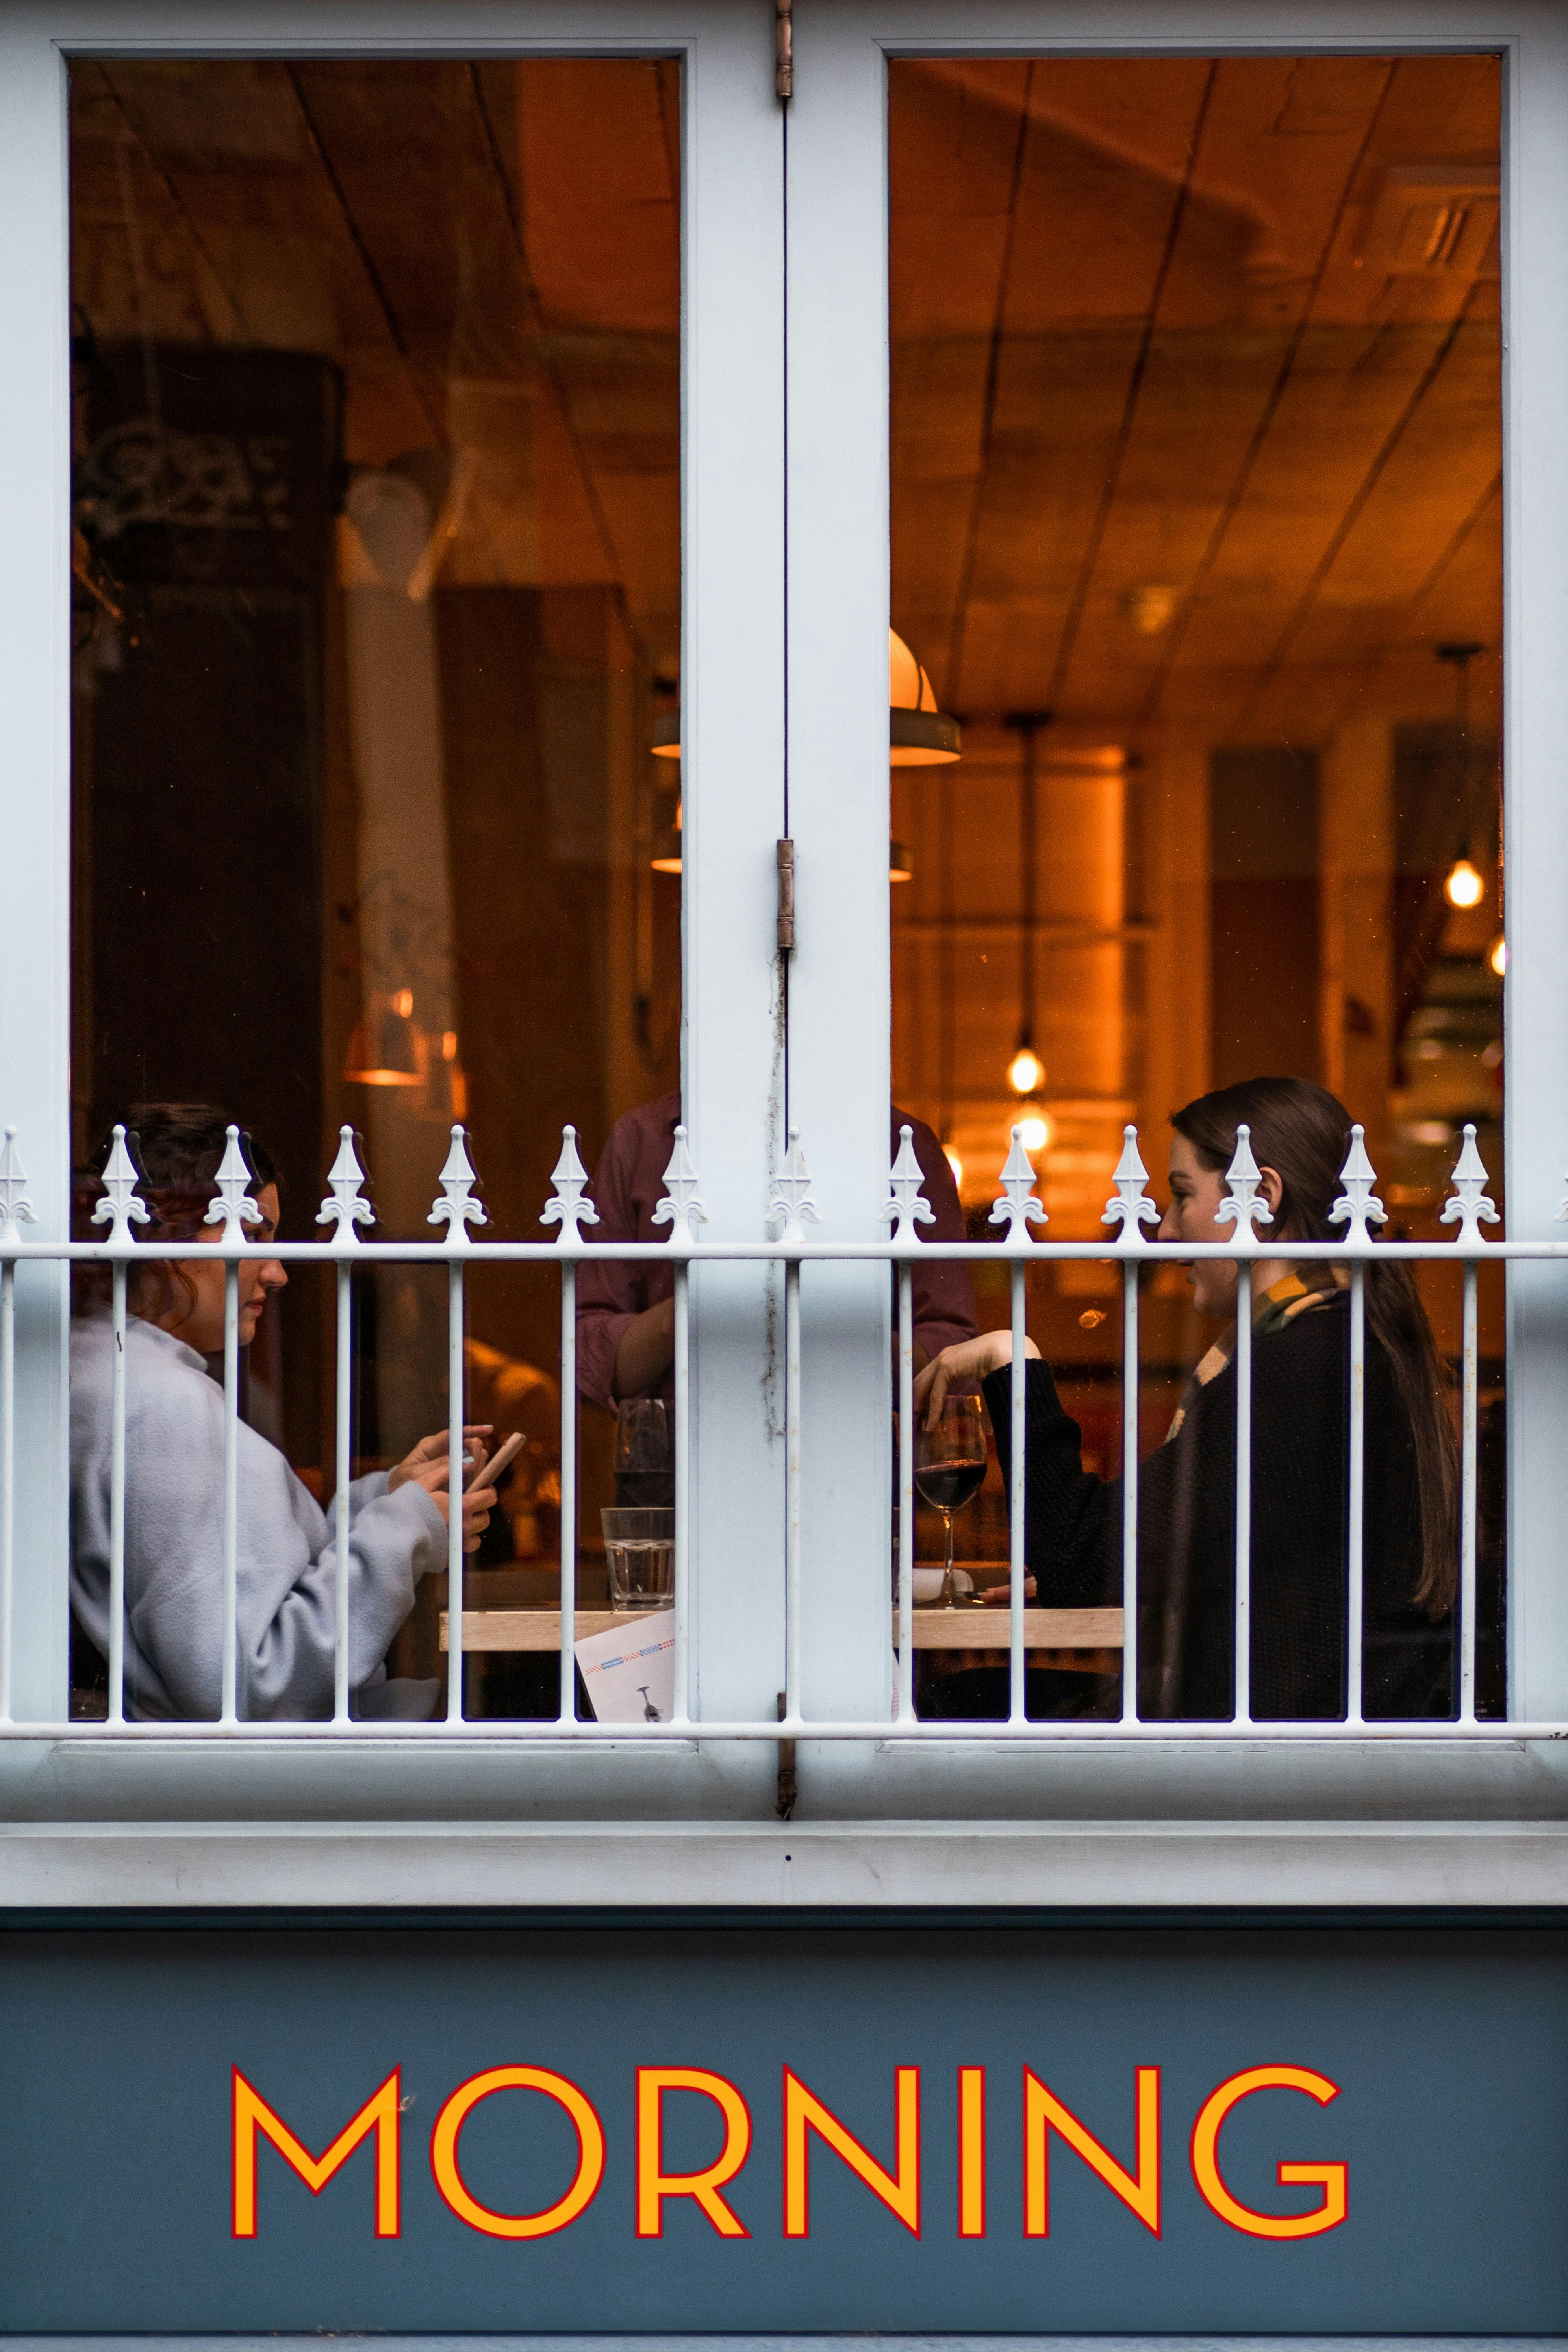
950, 1469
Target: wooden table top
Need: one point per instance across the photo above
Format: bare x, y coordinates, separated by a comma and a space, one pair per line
934, 1629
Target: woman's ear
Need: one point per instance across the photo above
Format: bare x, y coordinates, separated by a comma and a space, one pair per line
1270, 1188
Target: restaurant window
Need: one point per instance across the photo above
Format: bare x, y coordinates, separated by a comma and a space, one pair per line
376, 599
1196, 520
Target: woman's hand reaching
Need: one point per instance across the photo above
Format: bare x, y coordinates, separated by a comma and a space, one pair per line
427, 1466
961, 1367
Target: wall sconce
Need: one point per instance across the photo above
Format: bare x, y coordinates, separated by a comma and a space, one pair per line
384, 1047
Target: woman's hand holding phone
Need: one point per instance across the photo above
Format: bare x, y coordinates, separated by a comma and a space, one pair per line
427, 1464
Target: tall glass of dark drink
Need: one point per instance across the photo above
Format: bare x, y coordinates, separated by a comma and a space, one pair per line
950, 1468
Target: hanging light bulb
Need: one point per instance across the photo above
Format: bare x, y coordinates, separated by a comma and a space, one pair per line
956, 1163
1034, 1134
1498, 958
1463, 887
1025, 1071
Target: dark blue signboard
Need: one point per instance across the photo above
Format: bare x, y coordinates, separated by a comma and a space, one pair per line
970, 2129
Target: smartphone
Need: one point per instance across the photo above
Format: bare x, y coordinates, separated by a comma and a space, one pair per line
485, 1474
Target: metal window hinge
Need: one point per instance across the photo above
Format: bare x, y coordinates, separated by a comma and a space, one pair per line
786, 898
784, 49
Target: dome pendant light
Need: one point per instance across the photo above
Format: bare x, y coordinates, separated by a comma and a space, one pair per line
919, 734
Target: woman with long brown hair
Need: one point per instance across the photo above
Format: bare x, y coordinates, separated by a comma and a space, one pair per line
1301, 1449
287, 1626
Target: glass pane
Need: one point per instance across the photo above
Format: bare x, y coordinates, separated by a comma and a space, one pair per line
1196, 525
377, 587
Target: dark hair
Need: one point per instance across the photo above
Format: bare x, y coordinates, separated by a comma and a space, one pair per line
178, 1148
1302, 1132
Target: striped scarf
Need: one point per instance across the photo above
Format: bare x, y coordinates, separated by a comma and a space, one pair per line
1296, 1293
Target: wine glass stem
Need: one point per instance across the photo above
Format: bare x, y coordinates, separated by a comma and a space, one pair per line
949, 1596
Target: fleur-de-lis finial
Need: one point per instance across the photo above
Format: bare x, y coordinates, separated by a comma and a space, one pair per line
1358, 1202
681, 1209
15, 1209
790, 1202
1131, 1207
232, 1203
120, 1209
346, 1206
1241, 1203
1018, 1206
1468, 1206
457, 1209
905, 1206
566, 1207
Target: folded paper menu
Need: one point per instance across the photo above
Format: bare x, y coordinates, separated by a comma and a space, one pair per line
629, 1672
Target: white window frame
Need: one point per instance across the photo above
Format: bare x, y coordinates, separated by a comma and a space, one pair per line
1229, 1821
838, 605
732, 665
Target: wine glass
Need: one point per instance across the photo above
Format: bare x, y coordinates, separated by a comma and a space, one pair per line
950, 1469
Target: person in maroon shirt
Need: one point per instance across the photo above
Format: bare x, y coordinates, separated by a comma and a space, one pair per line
625, 1315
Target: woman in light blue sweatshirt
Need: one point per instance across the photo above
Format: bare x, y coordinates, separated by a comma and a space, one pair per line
174, 1486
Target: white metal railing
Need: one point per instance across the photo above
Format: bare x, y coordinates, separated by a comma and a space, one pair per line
791, 1209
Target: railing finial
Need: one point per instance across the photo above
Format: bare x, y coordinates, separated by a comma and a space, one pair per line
15, 1209
905, 1206
457, 1209
1468, 1206
681, 1209
1131, 1207
566, 1207
346, 1206
790, 1202
1018, 1206
1358, 1202
232, 1203
1241, 1203
120, 1209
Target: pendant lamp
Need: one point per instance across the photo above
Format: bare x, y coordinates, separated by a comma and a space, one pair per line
919, 734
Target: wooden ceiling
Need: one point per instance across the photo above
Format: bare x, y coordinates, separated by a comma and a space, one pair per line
489, 253
1226, 331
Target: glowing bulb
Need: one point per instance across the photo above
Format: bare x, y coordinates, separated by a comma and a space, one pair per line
1498, 956
1024, 1071
955, 1163
1464, 887
1034, 1134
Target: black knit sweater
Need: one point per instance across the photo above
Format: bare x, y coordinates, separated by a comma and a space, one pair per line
1186, 1534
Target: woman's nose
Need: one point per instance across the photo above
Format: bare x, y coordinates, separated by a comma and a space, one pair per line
1169, 1230
274, 1274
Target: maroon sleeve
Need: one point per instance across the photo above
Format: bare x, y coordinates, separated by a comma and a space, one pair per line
943, 1294
608, 1296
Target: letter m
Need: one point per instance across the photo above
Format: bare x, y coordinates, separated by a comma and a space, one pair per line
252, 2117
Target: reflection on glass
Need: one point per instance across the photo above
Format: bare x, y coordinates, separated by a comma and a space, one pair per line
376, 579
1196, 518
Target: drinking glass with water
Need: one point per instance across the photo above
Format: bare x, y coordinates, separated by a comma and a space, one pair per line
645, 1463
639, 1554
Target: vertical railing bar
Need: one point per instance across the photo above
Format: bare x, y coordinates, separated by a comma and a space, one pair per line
455, 1385
792, 1489
1467, 1495
906, 1707
340, 1498
7, 1474
1356, 1548
117, 1494
231, 1491
682, 1493
1015, 1501
1130, 1491
1243, 1493
568, 1693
